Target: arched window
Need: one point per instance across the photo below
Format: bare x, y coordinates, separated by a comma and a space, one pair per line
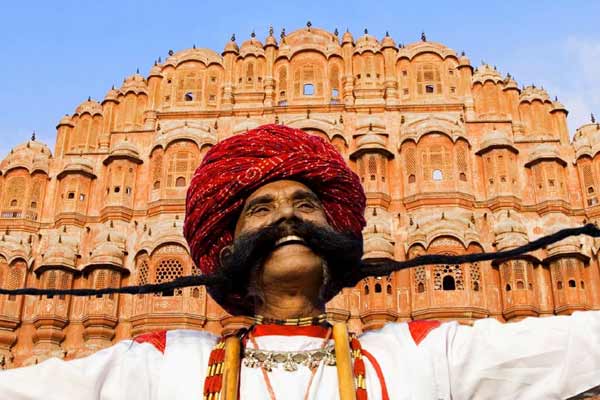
448, 283
412, 178
308, 89
366, 289
189, 96
559, 285
169, 269
476, 286
180, 182
437, 175
508, 288
378, 288
420, 287
520, 285
572, 283
388, 289
428, 79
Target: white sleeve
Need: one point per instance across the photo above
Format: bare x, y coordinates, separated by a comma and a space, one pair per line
537, 358
127, 370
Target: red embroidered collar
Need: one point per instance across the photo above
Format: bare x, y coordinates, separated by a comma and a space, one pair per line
283, 330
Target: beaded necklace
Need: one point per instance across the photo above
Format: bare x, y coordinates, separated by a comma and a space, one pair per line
213, 382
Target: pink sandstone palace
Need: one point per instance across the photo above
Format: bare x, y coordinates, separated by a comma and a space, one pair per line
454, 159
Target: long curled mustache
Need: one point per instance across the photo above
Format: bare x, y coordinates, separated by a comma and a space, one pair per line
341, 252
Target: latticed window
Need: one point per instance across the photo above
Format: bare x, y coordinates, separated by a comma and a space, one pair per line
372, 167
428, 79
14, 279
282, 84
448, 277
168, 270
589, 184
189, 87
437, 163
420, 279
519, 274
143, 272
475, 276
461, 162
142, 277
157, 165
411, 164
15, 192
334, 83
181, 168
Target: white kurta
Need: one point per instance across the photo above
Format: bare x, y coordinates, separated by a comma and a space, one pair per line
537, 358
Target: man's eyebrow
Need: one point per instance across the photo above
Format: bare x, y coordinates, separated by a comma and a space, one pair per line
267, 198
301, 194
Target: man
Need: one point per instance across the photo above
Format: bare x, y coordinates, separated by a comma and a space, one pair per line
278, 214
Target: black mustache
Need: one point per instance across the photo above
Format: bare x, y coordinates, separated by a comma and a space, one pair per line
367, 268
341, 251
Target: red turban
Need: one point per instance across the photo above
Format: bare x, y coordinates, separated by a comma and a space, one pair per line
235, 167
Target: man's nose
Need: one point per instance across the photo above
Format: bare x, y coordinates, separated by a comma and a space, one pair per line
285, 211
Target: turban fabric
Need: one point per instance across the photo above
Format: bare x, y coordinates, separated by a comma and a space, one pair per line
235, 167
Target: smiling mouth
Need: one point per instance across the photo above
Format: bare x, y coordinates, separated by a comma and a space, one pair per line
290, 239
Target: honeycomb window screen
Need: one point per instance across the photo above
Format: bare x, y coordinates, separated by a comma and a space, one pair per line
411, 161
142, 278
443, 273
14, 279
65, 282
475, 276
169, 269
420, 279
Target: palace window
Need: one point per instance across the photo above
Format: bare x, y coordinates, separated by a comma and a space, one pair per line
428, 79
437, 175
189, 96
71, 195
309, 89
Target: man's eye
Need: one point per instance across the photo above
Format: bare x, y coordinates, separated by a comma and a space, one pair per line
259, 209
306, 205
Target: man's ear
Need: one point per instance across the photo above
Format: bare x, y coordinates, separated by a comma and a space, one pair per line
225, 253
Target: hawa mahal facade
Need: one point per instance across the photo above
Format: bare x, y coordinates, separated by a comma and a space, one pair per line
454, 159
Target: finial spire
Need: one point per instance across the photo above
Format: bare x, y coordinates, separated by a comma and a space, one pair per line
233, 37
282, 35
366, 31
137, 70
253, 34
171, 52
336, 32
592, 118
271, 30
308, 24
89, 98
33, 136
387, 33
423, 37
194, 46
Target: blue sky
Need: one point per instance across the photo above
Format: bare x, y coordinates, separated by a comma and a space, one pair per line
57, 53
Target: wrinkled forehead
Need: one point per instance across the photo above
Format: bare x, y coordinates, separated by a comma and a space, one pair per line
283, 188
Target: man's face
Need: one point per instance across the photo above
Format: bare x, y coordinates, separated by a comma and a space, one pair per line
277, 202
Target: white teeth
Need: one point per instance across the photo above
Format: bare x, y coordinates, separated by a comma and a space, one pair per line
289, 238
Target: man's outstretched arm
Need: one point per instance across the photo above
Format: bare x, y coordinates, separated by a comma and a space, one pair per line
127, 370
537, 358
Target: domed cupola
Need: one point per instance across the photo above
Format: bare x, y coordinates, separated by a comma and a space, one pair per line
367, 43
111, 95
509, 230
252, 46
531, 93
109, 246
231, 47
378, 243
134, 83
388, 42
89, 106
485, 73
347, 38
31, 155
